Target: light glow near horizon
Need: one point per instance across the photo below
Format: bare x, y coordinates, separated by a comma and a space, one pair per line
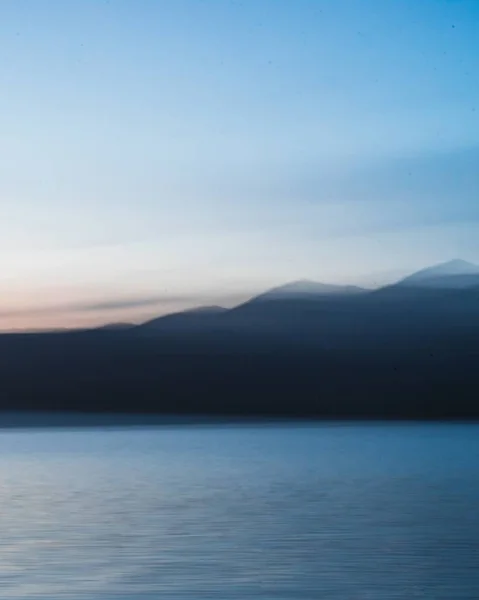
159, 155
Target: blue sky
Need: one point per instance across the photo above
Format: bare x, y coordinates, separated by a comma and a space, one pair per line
159, 154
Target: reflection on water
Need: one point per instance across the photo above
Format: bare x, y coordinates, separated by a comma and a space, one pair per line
333, 512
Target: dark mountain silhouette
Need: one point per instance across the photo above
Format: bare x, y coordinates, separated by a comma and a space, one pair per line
403, 351
306, 289
288, 308
195, 318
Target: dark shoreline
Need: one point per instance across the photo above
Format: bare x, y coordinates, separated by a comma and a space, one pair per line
67, 420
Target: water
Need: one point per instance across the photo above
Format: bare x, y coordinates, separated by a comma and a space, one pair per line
337, 512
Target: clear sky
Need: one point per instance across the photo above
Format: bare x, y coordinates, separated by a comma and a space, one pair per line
159, 154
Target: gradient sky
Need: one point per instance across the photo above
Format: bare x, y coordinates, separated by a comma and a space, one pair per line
158, 154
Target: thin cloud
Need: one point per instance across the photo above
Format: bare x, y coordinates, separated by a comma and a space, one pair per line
104, 305
127, 303
167, 302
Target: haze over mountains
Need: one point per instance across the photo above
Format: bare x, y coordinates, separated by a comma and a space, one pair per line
408, 350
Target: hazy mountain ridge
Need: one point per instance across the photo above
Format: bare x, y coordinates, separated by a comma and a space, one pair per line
398, 352
452, 268
305, 288
193, 318
310, 306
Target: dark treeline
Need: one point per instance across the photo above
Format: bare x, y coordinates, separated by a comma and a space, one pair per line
431, 377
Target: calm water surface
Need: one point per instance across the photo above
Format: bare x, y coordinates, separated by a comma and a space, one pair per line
286, 512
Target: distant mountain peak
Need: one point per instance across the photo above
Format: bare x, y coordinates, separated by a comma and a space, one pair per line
457, 265
452, 273
302, 285
305, 288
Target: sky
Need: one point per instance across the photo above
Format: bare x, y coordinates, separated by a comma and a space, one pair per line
160, 154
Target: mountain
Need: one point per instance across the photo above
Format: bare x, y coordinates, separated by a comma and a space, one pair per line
441, 297
257, 311
406, 351
454, 274
195, 318
295, 309
305, 289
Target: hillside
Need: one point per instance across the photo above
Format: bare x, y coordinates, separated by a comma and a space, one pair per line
398, 352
